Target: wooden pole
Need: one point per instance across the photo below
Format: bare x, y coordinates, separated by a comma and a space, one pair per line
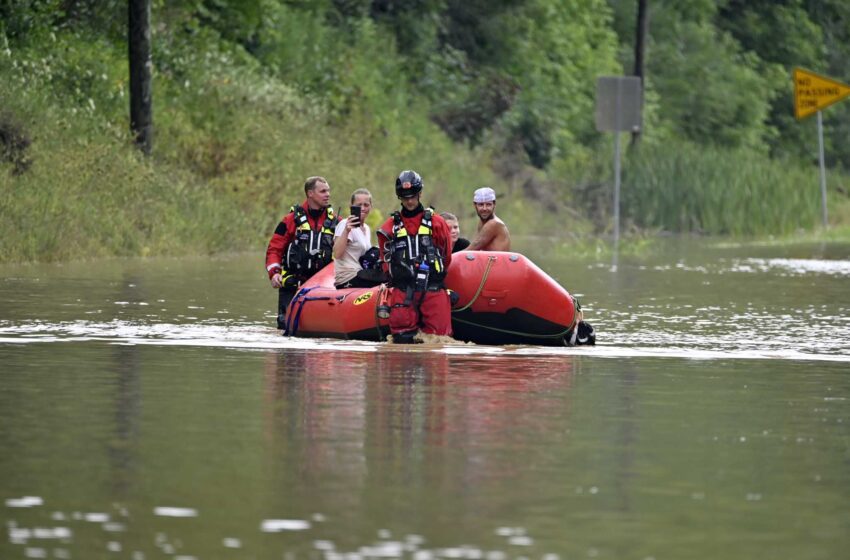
139, 46
640, 51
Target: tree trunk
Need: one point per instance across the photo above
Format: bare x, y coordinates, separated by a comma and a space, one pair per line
139, 42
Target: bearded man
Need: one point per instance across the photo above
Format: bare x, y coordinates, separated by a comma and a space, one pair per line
493, 234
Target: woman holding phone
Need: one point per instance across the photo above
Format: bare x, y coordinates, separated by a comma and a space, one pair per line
351, 241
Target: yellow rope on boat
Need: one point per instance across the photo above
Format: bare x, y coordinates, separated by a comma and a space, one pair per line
490, 260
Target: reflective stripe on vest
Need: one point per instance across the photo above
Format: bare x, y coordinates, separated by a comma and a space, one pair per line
415, 245
317, 245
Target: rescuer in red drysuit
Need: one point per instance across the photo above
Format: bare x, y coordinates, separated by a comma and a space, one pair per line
302, 243
416, 249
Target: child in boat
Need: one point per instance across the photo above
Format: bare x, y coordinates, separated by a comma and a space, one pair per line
458, 243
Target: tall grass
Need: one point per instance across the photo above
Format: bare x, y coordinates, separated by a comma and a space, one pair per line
688, 188
234, 141
88, 194
232, 147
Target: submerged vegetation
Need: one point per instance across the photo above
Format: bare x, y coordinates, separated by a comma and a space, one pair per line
252, 96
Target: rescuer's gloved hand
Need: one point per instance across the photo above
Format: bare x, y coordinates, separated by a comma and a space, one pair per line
453, 297
288, 280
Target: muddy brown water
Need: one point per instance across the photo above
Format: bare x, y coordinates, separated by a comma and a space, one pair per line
149, 410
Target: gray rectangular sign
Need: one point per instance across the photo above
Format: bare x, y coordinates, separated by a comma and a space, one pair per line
618, 102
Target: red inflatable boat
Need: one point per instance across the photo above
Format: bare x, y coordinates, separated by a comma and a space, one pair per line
504, 298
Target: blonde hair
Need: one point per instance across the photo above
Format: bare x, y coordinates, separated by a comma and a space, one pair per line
448, 216
361, 191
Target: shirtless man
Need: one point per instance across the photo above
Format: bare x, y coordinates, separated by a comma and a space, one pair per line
492, 234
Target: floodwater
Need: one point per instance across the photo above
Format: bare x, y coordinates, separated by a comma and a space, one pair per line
148, 410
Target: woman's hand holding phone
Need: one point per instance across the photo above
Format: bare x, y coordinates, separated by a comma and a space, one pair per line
354, 219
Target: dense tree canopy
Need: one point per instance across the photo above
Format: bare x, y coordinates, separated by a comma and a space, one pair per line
509, 84
519, 72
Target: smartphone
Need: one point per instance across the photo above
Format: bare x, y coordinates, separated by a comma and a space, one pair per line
355, 211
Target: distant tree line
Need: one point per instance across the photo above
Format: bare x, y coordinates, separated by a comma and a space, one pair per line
518, 76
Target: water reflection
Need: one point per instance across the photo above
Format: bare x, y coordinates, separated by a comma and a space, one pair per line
189, 427
318, 403
128, 403
394, 452
626, 438
356, 424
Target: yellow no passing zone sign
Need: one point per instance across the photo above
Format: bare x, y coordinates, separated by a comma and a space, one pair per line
813, 92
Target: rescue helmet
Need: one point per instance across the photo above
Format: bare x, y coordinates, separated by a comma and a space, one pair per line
408, 184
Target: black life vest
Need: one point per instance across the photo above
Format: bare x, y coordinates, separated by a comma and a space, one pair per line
406, 254
310, 250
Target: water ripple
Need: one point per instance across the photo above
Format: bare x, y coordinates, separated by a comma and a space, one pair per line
793, 266
649, 331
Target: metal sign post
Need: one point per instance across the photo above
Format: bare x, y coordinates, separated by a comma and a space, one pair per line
618, 109
822, 171
813, 93
616, 200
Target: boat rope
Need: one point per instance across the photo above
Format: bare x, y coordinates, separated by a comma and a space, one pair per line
561, 334
293, 318
490, 260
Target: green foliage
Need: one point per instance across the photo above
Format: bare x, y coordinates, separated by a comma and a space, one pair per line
14, 144
21, 19
833, 16
568, 45
741, 54
711, 92
692, 188
232, 148
352, 74
416, 25
83, 197
755, 25
526, 70
252, 96
235, 21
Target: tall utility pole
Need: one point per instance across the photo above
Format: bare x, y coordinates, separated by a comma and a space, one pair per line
640, 50
139, 42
